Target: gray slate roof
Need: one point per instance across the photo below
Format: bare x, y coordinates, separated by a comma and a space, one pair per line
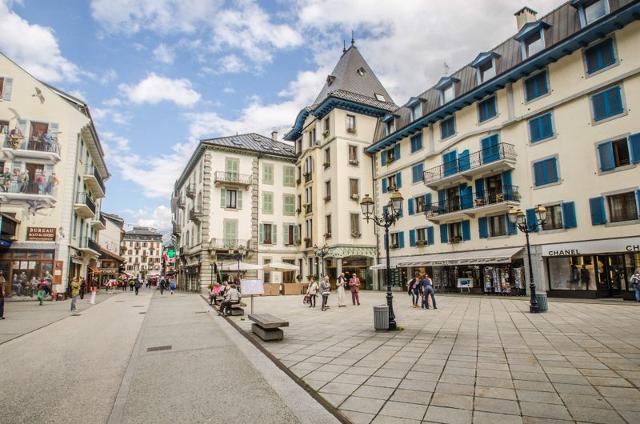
143, 231
345, 78
253, 142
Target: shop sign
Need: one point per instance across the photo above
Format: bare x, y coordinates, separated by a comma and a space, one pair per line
57, 272
625, 245
41, 234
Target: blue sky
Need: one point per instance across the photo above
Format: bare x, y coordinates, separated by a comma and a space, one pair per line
159, 75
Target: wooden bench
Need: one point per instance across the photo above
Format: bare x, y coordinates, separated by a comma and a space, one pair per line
237, 309
267, 327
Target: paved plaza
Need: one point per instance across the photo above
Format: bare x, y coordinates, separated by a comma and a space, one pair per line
475, 359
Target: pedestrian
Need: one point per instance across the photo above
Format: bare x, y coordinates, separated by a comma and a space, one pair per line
340, 283
354, 285
427, 289
635, 283
172, 284
75, 291
325, 290
215, 292
137, 285
2, 282
312, 291
162, 287
231, 297
414, 290
83, 288
41, 291
94, 289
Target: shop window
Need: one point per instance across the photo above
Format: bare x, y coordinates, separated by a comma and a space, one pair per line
623, 207
353, 155
447, 127
607, 104
487, 109
541, 127
536, 86
618, 153
600, 56
416, 143
572, 273
545, 172
351, 123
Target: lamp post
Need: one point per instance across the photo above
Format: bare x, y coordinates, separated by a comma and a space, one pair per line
388, 218
239, 253
519, 218
321, 252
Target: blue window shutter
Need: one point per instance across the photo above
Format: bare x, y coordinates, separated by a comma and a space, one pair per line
600, 56
466, 230
598, 214
598, 102
385, 185
512, 229
385, 210
605, 152
569, 215
506, 181
442, 197
532, 220
416, 143
464, 162
383, 157
449, 163
396, 151
427, 201
483, 228
401, 239
536, 86
614, 101
399, 180
417, 171
430, 235
411, 207
490, 148
534, 130
541, 127
466, 196
538, 178
552, 165
480, 188
638, 202
412, 238
444, 236
634, 147
607, 103
547, 125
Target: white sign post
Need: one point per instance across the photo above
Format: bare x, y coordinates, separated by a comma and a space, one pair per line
251, 287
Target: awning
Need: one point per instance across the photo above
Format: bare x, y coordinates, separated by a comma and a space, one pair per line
383, 266
472, 257
280, 266
234, 266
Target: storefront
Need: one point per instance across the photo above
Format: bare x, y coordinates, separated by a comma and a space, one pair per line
25, 268
592, 269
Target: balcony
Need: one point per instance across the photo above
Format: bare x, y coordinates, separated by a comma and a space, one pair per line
94, 181
196, 215
191, 191
47, 150
181, 203
228, 244
307, 177
13, 190
232, 179
99, 222
89, 247
493, 159
177, 229
463, 207
84, 206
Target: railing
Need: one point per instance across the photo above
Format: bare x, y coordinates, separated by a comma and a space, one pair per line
472, 200
191, 190
88, 243
102, 219
83, 198
232, 177
500, 151
195, 215
91, 170
177, 228
50, 146
11, 184
228, 243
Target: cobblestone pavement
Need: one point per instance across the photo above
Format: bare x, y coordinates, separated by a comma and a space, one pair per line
475, 359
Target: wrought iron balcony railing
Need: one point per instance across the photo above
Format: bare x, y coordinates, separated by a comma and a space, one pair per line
471, 200
232, 178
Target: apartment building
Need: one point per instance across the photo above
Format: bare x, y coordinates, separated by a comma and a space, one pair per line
235, 202
545, 118
111, 263
142, 252
52, 174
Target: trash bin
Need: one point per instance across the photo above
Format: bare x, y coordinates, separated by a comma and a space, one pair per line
543, 304
381, 317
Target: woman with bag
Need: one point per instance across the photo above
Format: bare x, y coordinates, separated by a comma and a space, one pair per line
325, 290
312, 291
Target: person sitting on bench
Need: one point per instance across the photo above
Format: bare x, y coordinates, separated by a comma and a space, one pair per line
215, 293
231, 297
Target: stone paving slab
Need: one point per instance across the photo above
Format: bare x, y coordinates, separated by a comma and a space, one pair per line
473, 360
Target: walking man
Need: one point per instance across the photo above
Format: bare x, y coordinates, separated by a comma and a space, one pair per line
137, 285
341, 283
427, 290
354, 285
75, 291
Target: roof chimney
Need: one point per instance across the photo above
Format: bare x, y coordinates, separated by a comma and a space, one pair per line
274, 135
524, 16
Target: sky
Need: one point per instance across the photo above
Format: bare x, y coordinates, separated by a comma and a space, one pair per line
160, 75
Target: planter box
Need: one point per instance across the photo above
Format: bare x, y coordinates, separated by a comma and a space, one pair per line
271, 289
292, 288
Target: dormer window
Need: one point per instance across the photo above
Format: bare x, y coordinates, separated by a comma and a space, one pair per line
447, 87
388, 124
531, 38
533, 44
415, 107
591, 10
380, 97
448, 94
485, 64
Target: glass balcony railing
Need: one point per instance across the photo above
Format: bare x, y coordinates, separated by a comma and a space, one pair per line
83, 198
472, 200
11, 184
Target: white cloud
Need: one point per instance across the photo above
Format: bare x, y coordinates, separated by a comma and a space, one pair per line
158, 217
231, 64
164, 54
34, 47
228, 90
155, 89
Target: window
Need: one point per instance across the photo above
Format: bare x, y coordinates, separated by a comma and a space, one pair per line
389, 126
623, 207
455, 232
541, 127
545, 172
533, 44
379, 97
327, 191
354, 191
267, 173
416, 111
448, 93
416, 173
390, 155
554, 218
327, 157
351, 123
486, 71
267, 202
353, 154
607, 103
5, 88
593, 10
416, 143
355, 225
536, 86
267, 233
621, 152
327, 226
309, 231
421, 235
600, 56
420, 204
312, 137
497, 225
231, 166
1, 87
487, 109
289, 204
289, 176
290, 234
327, 126
447, 127
231, 201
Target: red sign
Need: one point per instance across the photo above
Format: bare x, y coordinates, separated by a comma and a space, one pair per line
41, 234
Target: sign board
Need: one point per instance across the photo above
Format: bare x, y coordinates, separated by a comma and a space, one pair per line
622, 245
465, 283
57, 272
171, 253
41, 234
249, 287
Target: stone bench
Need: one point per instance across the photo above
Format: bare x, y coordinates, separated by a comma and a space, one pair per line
267, 326
237, 309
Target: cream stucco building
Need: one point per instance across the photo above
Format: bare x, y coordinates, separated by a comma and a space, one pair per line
141, 250
52, 181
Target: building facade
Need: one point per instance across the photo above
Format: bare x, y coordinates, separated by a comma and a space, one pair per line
142, 251
545, 118
111, 263
52, 174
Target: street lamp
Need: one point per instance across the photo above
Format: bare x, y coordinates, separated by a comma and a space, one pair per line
388, 218
321, 252
239, 253
519, 218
